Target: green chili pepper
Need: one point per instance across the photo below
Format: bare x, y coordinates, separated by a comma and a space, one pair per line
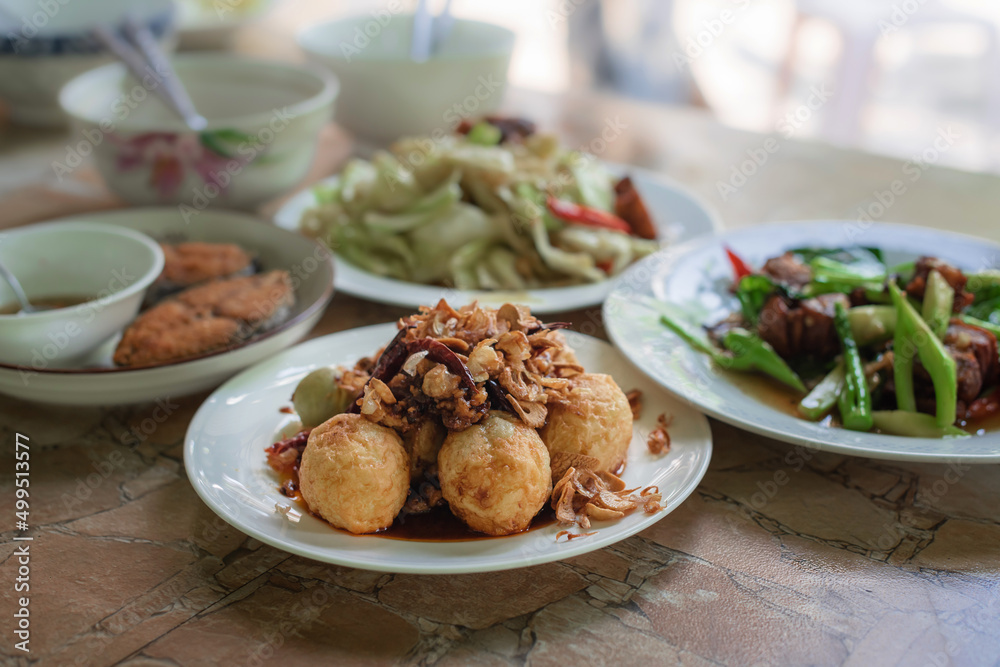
818, 403
854, 401
914, 338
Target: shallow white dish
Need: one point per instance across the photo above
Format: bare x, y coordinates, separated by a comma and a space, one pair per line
95, 382
225, 461
698, 273
678, 214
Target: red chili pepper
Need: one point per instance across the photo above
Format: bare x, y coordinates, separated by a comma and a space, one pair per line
740, 268
984, 406
584, 215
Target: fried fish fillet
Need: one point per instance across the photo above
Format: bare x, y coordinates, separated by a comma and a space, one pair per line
187, 264
216, 315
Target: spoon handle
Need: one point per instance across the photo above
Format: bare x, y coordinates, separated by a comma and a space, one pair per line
423, 27
143, 38
15, 286
136, 63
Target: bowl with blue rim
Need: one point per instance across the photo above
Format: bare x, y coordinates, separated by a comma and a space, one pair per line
44, 44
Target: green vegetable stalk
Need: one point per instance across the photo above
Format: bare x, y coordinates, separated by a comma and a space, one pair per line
818, 403
854, 401
914, 425
914, 338
939, 297
871, 324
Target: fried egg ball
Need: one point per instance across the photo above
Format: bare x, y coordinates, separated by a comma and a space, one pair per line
422, 443
355, 473
495, 475
596, 421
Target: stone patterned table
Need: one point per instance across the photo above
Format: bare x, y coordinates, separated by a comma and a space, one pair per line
849, 561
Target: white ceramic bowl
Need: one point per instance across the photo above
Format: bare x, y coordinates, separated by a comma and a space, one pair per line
110, 265
386, 95
264, 121
210, 25
45, 44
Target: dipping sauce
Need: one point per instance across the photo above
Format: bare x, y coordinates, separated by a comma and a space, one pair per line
47, 303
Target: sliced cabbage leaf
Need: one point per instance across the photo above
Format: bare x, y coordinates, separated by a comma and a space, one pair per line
593, 182
435, 242
422, 210
576, 264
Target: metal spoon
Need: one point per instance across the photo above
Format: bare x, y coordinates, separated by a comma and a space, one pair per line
15, 286
143, 57
423, 26
442, 27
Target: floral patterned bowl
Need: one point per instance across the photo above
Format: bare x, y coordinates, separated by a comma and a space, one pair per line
264, 120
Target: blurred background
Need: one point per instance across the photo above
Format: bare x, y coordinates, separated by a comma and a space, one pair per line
902, 70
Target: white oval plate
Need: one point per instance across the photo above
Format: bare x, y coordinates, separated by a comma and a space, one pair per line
698, 273
678, 214
225, 461
104, 384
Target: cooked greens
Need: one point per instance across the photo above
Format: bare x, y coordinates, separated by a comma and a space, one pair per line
909, 349
478, 211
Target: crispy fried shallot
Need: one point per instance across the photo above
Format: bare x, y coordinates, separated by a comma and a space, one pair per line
462, 363
284, 456
582, 495
572, 536
635, 402
659, 438
560, 462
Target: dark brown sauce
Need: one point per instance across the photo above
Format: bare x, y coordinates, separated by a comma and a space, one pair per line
47, 303
983, 426
438, 525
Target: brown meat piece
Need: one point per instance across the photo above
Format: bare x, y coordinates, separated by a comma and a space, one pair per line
952, 275
976, 364
970, 379
788, 270
204, 319
630, 208
186, 264
980, 342
801, 328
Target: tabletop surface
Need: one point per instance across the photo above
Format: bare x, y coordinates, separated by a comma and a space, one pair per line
850, 561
